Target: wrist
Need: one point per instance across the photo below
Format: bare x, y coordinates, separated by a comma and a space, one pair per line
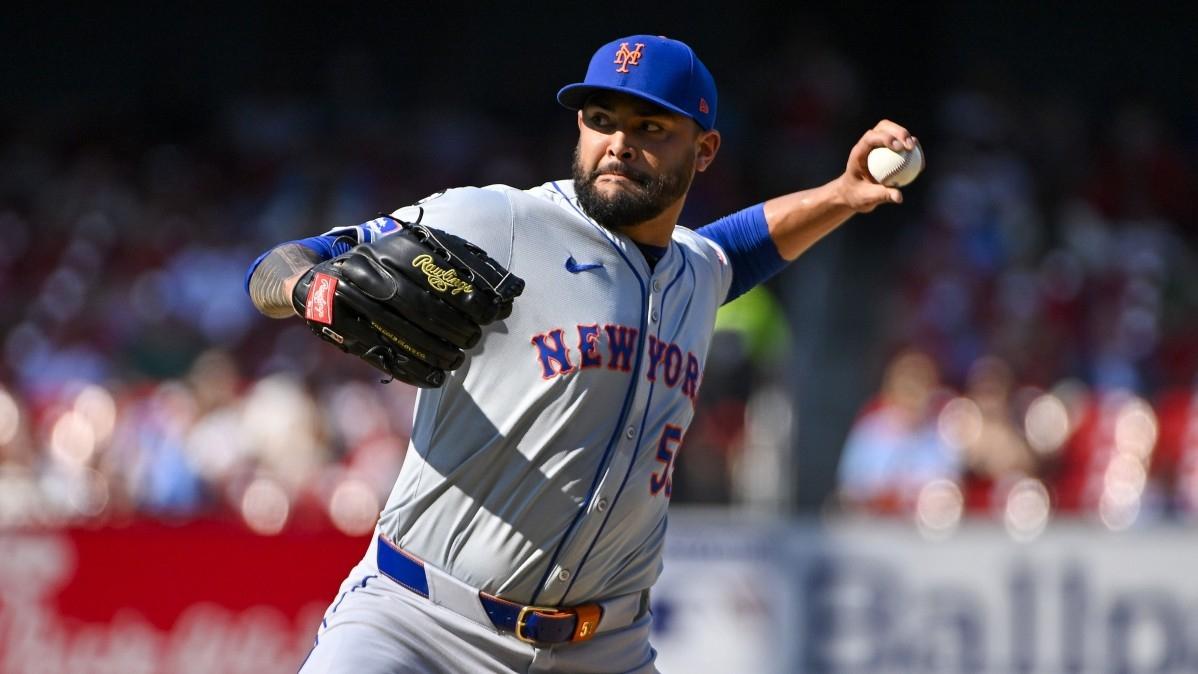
839, 193
289, 291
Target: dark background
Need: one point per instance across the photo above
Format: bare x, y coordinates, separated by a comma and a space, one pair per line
507, 59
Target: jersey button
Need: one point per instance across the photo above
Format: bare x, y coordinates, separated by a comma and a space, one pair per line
564, 574
656, 285
653, 315
630, 432
601, 506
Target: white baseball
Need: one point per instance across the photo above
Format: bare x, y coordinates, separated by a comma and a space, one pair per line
895, 169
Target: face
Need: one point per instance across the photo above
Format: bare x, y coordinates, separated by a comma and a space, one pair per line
635, 159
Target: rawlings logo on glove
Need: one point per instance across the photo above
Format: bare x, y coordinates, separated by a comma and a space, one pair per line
320, 299
391, 304
441, 279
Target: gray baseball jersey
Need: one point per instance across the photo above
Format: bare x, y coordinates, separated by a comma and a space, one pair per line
541, 471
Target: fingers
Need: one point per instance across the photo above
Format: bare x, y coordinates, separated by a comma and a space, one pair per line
884, 134
872, 196
893, 136
864, 195
896, 139
861, 191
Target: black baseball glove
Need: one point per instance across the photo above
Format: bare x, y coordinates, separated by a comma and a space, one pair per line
408, 303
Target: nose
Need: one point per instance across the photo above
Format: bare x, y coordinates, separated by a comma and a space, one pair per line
619, 148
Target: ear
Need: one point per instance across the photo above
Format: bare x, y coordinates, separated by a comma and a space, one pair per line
707, 145
580, 119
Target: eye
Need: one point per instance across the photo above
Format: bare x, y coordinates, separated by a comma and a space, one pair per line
599, 119
651, 127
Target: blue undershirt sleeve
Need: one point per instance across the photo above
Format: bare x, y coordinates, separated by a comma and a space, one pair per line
752, 253
326, 246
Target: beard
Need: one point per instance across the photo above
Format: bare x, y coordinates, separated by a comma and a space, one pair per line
646, 199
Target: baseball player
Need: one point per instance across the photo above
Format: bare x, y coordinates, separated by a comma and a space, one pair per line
526, 526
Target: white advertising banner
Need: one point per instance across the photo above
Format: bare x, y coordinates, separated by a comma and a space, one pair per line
877, 597
724, 603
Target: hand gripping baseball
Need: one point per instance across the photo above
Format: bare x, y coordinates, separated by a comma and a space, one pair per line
860, 189
410, 303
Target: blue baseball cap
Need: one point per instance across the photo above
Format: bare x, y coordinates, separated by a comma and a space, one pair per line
655, 68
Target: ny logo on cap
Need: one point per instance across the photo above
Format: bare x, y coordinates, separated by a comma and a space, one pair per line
628, 57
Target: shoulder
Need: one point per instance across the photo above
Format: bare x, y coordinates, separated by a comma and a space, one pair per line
552, 202
480, 215
555, 193
465, 211
494, 216
491, 200
559, 193
698, 246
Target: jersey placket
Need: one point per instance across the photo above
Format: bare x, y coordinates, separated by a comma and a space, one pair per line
569, 563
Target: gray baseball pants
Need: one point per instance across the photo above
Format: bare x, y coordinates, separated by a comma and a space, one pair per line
377, 626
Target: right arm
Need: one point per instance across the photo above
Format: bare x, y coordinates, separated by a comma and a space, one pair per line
271, 284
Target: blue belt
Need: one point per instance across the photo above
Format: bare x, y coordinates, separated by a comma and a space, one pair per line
538, 625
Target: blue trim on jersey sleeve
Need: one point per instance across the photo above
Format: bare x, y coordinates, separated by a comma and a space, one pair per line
752, 253
375, 229
326, 246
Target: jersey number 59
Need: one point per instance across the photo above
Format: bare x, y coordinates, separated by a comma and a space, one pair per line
667, 450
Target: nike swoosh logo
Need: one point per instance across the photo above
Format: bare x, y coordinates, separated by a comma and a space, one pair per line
574, 266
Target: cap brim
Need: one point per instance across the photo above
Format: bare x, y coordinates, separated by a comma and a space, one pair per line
574, 96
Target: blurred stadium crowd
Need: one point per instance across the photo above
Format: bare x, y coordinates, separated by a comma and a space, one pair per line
1041, 326
1045, 325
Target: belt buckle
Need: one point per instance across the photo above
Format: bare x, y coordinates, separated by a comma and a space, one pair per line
522, 620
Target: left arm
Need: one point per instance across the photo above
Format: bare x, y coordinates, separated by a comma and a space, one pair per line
799, 219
